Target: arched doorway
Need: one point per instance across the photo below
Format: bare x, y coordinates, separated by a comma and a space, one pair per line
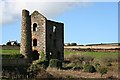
35, 55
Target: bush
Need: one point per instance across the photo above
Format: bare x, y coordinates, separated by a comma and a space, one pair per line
74, 66
43, 56
33, 70
97, 65
75, 58
77, 67
73, 44
109, 64
55, 63
43, 64
103, 71
89, 68
69, 66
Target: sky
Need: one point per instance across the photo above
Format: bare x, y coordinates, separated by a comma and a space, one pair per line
86, 22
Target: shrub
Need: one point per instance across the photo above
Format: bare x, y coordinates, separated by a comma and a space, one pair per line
69, 66
73, 44
55, 63
43, 56
73, 65
109, 64
97, 65
33, 71
75, 58
43, 64
77, 67
89, 68
103, 71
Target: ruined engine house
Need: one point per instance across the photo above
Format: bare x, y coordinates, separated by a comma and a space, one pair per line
39, 35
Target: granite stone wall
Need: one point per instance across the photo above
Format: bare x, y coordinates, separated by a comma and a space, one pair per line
40, 35
38, 32
55, 40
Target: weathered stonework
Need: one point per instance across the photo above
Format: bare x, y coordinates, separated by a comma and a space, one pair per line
26, 47
41, 35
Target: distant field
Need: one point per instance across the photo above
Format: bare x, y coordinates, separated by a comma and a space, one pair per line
94, 47
10, 51
96, 55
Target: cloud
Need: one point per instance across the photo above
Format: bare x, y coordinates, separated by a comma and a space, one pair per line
10, 11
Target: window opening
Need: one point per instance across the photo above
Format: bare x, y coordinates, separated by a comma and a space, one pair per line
34, 42
54, 28
34, 27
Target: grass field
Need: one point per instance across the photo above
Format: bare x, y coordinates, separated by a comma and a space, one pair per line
10, 51
99, 57
96, 55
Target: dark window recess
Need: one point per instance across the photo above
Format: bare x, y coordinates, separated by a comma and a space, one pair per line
50, 36
54, 43
35, 55
34, 27
34, 42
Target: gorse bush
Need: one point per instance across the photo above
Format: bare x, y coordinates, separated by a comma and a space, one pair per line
55, 63
89, 68
103, 71
33, 70
77, 61
73, 57
79, 58
77, 66
97, 65
43, 64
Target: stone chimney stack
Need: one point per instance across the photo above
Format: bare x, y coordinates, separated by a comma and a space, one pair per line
26, 40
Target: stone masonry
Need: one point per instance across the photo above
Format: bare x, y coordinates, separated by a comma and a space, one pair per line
39, 35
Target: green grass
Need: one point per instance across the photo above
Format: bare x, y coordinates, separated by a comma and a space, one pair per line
10, 53
96, 55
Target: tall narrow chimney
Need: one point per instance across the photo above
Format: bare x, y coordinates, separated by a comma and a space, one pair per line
26, 40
